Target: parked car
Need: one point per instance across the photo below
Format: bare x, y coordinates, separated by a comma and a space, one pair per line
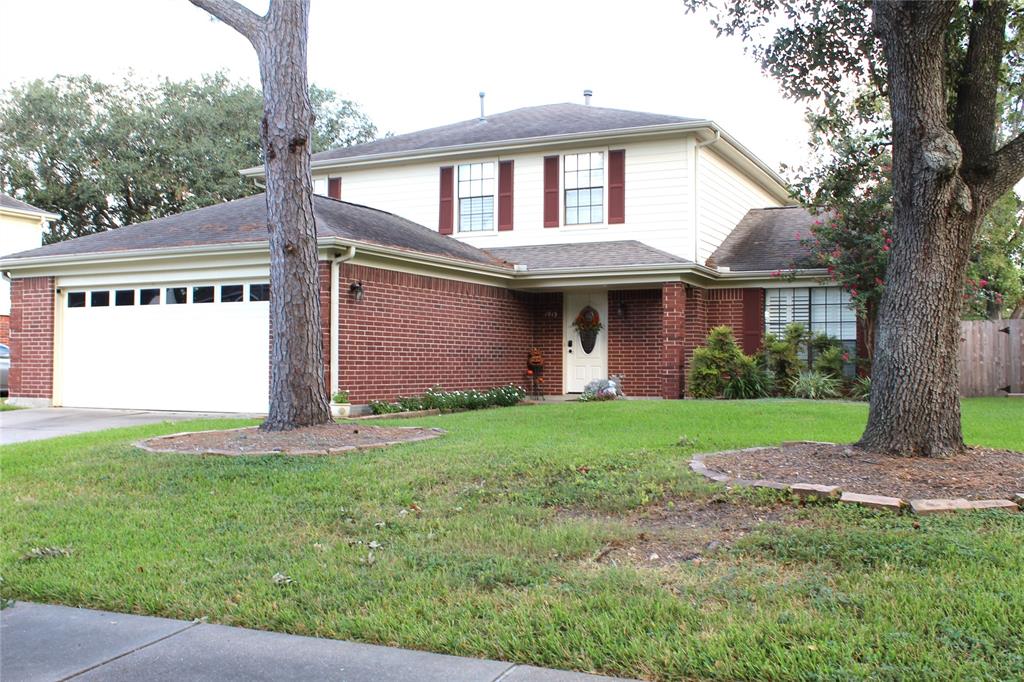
5, 367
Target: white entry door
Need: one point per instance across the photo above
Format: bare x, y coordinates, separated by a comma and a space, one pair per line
586, 359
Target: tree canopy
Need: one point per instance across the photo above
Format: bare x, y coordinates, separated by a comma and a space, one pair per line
103, 155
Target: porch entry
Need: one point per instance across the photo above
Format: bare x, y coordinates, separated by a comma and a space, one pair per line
586, 354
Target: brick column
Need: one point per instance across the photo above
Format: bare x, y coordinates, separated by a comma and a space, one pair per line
32, 338
673, 336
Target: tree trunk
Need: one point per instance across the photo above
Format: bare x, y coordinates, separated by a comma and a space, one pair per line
298, 395
915, 402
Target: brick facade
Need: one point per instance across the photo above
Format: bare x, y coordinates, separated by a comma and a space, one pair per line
673, 331
634, 340
5, 329
411, 332
31, 323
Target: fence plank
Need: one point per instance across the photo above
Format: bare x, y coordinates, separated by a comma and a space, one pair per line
991, 359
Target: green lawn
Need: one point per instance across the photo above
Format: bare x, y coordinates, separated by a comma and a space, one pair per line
514, 506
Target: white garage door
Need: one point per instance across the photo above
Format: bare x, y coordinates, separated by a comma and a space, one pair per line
197, 347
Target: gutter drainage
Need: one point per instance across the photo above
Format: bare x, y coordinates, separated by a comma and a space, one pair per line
349, 254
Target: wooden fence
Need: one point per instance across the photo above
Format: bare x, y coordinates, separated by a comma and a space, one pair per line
991, 357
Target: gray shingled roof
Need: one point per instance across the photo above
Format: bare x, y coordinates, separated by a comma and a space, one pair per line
767, 239
590, 254
10, 202
245, 220
518, 124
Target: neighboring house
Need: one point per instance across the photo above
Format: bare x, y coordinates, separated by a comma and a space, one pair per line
21, 228
498, 234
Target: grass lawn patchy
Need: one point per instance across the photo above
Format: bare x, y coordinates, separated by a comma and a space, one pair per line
483, 543
4, 406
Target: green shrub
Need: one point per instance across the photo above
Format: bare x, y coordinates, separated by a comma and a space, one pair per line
861, 388
752, 382
830, 361
814, 385
340, 397
782, 357
437, 398
720, 362
384, 407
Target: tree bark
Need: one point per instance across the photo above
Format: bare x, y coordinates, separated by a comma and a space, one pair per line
298, 394
915, 402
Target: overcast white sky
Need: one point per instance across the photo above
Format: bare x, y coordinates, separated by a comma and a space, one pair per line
413, 65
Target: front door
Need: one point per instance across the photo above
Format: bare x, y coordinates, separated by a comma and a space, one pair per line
586, 352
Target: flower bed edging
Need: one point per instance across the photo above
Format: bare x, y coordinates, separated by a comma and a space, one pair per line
835, 494
150, 444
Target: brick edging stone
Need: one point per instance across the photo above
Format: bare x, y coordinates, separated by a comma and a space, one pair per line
834, 493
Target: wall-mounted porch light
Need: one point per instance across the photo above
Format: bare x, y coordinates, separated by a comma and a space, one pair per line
356, 291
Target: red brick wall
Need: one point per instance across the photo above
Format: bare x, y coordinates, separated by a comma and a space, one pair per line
725, 306
547, 337
324, 273
411, 332
634, 340
673, 331
31, 338
5, 329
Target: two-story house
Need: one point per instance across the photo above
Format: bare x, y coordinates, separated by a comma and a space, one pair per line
486, 239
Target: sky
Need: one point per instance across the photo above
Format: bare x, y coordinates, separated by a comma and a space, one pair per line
413, 65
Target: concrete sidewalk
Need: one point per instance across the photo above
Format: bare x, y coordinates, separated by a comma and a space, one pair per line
42, 642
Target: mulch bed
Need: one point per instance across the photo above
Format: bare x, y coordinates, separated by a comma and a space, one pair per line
979, 473
326, 439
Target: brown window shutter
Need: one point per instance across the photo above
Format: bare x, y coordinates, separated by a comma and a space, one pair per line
617, 186
551, 191
446, 217
753, 320
334, 188
505, 174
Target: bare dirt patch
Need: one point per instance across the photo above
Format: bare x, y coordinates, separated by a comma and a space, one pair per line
692, 530
979, 473
326, 439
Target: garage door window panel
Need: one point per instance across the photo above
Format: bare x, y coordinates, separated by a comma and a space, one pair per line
149, 297
231, 293
259, 292
124, 297
99, 299
202, 294
76, 299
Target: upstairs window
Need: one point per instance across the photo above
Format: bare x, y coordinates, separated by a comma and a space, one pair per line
584, 188
476, 197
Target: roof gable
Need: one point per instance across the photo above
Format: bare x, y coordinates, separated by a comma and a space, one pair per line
519, 124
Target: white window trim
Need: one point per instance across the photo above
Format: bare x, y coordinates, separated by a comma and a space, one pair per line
494, 202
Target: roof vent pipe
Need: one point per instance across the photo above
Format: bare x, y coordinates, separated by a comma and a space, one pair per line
587, 94
482, 106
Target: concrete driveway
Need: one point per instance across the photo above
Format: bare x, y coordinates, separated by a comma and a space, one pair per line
18, 426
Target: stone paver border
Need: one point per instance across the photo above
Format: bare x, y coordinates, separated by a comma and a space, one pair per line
804, 491
150, 444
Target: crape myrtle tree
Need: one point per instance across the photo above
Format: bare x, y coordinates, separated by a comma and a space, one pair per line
945, 70
107, 154
298, 395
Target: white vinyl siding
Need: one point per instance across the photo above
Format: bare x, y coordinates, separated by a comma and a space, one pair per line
724, 195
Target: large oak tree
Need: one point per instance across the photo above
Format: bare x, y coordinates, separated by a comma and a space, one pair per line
945, 69
298, 395
107, 154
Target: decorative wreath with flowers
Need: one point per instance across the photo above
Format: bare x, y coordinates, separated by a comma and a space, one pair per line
588, 321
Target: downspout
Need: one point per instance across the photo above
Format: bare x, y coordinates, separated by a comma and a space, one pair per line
335, 316
696, 195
